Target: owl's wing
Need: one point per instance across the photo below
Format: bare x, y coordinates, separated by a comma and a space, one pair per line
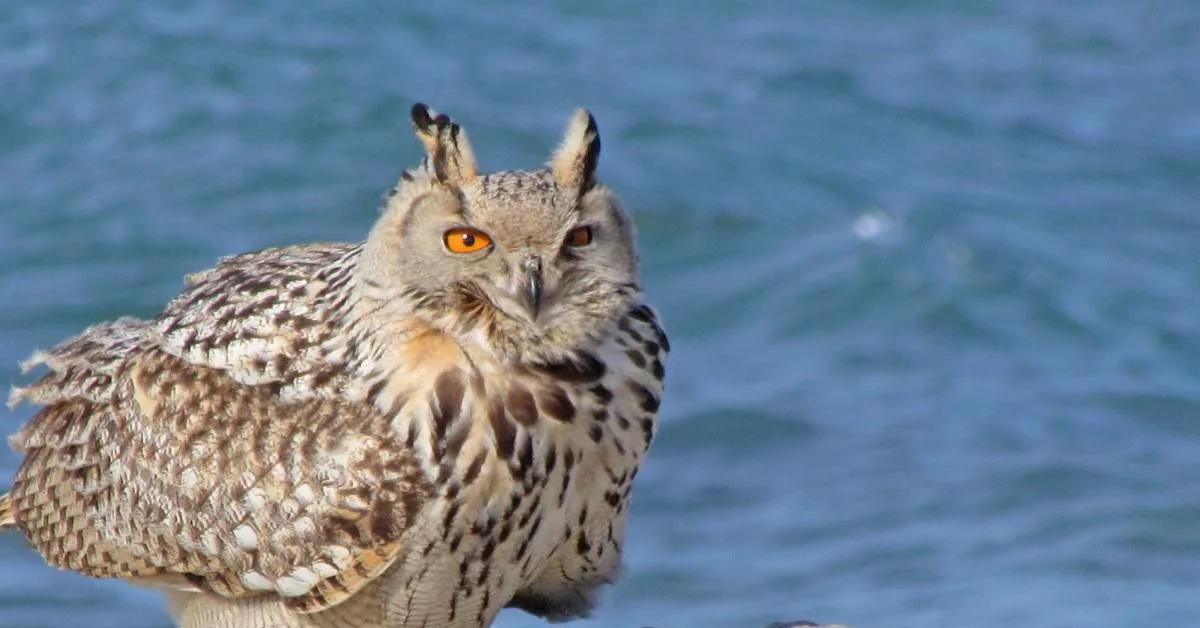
147, 466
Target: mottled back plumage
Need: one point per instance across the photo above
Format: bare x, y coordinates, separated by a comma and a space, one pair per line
419, 429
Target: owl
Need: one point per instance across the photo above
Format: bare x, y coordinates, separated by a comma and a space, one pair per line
420, 429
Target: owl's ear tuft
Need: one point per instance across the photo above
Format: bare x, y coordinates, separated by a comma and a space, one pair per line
448, 155
574, 163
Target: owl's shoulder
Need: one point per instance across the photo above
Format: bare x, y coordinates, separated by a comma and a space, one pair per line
279, 272
262, 316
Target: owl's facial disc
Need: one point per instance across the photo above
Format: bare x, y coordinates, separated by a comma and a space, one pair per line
529, 274
514, 280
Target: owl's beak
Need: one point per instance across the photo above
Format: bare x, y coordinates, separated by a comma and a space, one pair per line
533, 286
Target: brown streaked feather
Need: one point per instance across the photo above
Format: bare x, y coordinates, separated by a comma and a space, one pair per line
8, 517
264, 317
334, 590
207, 464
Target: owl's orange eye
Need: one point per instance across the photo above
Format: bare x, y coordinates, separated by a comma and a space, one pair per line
466, 240
579, 236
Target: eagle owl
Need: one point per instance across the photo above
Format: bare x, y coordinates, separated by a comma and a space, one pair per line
417, 430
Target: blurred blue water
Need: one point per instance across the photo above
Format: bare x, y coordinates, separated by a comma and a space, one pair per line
931, 268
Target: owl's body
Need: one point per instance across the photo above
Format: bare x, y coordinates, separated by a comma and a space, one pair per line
326, 435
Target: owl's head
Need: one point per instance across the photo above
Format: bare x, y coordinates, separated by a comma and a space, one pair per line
527, 262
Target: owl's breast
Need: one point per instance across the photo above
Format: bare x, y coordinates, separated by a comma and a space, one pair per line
531, 466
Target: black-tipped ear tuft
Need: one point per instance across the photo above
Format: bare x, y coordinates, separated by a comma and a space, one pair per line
420, 116
448, 154
591, 158
574, 163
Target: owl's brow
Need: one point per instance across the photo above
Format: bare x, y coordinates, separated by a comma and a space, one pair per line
460, 210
